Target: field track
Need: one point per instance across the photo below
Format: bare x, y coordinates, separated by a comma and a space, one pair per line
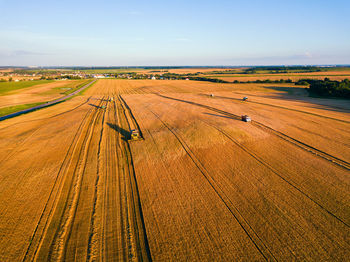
275, 171
342, 163
258, 243
285, 108
56, 232
37, 129
252, 154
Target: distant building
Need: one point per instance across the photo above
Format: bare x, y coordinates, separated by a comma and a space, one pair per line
153, 78
99, 76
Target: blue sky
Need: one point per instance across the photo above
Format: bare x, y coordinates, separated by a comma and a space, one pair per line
192, 32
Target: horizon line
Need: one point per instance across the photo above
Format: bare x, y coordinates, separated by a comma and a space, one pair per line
180, 66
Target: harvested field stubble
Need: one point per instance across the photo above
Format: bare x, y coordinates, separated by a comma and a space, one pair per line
202, 185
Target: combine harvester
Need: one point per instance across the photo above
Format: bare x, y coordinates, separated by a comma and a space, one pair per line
246, 118
135, 135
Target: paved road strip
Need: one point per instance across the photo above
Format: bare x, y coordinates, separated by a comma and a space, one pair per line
47, 103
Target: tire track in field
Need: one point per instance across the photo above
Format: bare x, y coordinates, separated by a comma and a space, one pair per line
138, 248
62, 202
117, 205
264, 163
344, 110
63, 169
123, 241
131, 242
317, 152
247, 228
24, 141
123, 205
129, 112
319, 135
100, 194
113, 177
93, 228
60, 246
285, 108
59, 114
261, 161
65, 159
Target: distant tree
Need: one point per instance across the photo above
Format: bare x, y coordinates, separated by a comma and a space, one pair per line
10, 79
329, 88
301, 83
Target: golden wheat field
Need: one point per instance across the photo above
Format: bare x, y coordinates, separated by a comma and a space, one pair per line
199, 184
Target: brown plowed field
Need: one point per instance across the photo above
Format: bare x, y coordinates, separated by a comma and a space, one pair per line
201, 185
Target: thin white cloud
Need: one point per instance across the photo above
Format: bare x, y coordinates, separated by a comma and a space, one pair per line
25, 35
308, 55
17, 53
25, 52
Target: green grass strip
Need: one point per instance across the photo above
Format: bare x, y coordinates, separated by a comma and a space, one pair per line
13, 109
83, 92
6, 87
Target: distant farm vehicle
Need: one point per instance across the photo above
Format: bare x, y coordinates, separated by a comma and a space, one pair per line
245, 98
135, 135
103, 107
246, 118
211, 95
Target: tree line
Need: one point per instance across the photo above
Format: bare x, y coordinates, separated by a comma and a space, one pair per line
327, 87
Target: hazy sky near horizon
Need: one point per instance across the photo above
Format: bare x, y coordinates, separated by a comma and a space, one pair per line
192, 32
